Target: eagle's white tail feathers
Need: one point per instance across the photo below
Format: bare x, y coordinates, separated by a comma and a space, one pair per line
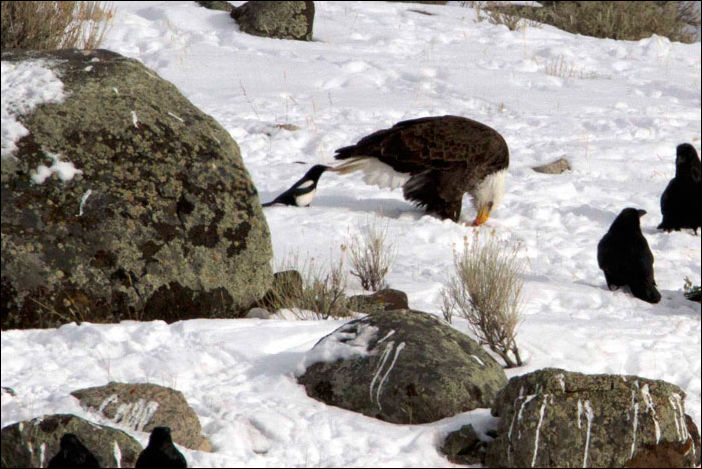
416, 183
375, 172
349, 166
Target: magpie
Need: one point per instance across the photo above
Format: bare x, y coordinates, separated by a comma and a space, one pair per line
625, 258
681, 202
73, 454
302, 192
161, 452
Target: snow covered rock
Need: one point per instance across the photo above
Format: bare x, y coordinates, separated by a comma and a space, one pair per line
144, 406
33, 443
282, 20
556, 418
401, 366
122, 200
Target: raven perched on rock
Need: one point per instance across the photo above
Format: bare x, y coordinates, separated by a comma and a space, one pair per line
73, 454
624, 256
161, 452
681, 202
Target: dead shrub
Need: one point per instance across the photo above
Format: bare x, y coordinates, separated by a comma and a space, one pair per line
371, 256
485, 289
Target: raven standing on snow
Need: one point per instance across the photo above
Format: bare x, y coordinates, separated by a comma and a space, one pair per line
161, 452
681, 202
73, 455
624, 256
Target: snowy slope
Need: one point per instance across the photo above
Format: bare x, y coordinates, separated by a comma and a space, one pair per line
615, 109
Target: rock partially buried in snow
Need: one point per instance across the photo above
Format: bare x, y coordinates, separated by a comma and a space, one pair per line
275, 19
155, 217
556, 418
258, 313
33, 443
401, 366
143, 406
386, 299
559, 166
464, 447
216, 5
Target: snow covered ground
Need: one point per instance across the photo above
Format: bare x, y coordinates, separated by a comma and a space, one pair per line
615, 109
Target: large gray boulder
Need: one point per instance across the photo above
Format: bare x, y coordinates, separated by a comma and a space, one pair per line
33, 443
276, 19
144, 406
163, 222
401, 366
556, 418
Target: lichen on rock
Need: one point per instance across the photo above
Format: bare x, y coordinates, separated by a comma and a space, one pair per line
160, 221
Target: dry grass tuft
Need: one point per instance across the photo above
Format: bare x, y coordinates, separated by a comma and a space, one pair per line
493, 13
322, 294
485, 289
54, 25
678, 21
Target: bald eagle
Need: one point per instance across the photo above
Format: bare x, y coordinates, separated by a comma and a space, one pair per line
436, 160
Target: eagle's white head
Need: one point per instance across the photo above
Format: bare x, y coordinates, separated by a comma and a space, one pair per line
487, 195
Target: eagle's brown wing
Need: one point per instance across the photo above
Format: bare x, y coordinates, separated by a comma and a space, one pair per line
443, 143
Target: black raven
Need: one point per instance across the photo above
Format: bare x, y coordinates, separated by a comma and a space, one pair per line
681, 202
73, 454
625, 258
161, 453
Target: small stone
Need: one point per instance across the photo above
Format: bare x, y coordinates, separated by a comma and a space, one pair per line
556, 167
387, 299
258, 313
464, 447
216, 5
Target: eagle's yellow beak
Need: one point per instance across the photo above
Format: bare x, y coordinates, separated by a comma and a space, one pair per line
483, 215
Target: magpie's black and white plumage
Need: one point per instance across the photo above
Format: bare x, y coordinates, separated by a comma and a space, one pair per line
436, 160
625, 258
73, 454
161, 452
681, 202
302, 192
